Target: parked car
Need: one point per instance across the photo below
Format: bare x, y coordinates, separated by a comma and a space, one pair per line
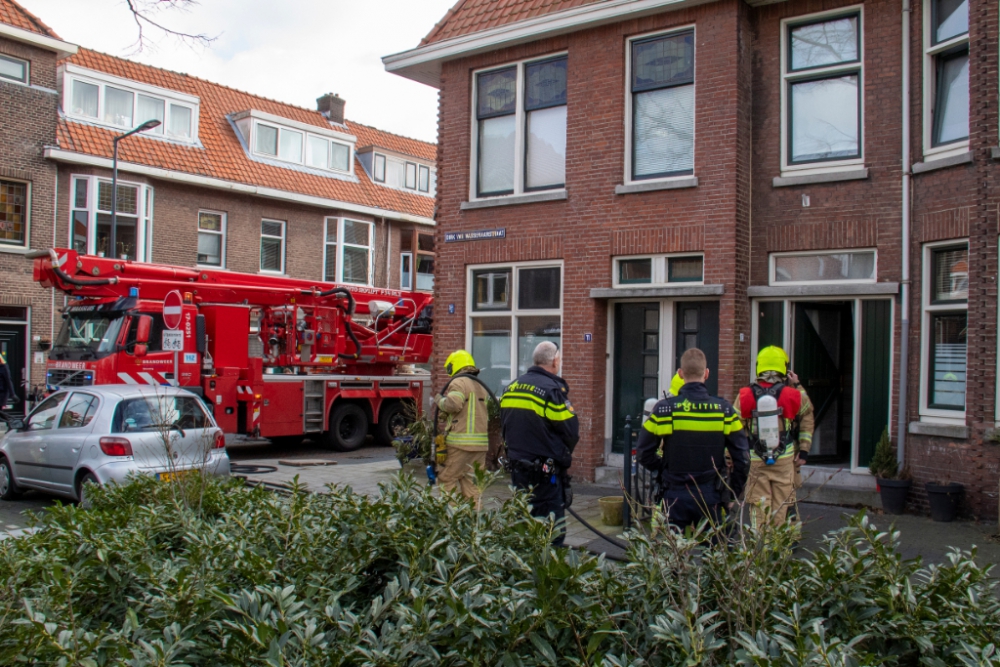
102, 434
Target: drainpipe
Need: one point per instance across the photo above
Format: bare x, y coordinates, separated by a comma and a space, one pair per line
904, 333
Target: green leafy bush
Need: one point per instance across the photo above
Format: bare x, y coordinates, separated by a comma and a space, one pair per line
248, 577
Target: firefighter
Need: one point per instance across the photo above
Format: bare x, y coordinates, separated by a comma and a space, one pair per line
465, 409
8, 392
696, 431
541, 430
770, 408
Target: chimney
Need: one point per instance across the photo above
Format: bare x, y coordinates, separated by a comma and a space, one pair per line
331, 105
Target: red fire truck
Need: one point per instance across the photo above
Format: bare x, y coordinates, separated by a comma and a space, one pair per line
274, 357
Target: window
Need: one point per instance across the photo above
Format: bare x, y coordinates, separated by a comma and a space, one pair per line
267, 139
521, 110
411, 176
425, 179
300, 147
405, 271
502, 331
661, 87
13, 69
43, 418
90, 229
125, 104
211, 238
824, 267
272, 246
417, 260
946, 296
379, 168
658, 270
156, 413
348, 251
946, 74
13, 213
822, 90
80, 411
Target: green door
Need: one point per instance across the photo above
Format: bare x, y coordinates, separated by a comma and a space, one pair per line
12, 340
876, 334
698, 326
636, 365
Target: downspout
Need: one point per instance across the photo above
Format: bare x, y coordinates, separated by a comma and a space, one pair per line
904, 333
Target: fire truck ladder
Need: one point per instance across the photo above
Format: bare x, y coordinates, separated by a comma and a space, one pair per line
313, 406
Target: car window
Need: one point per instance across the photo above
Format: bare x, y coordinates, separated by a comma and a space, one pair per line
44, 416
190, 414
156, 413
134, 415
80, 411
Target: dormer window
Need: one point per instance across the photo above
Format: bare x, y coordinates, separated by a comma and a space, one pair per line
283, 139
123, 104
397, 170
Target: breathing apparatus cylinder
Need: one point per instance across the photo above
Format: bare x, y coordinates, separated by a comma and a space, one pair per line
647, 409
768, 428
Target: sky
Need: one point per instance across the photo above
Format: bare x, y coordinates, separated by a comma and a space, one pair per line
288, 50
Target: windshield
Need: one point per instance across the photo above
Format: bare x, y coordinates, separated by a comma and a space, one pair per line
87, 336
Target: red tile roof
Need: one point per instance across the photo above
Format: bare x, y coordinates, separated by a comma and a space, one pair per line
221, 155
468, 16
14, 14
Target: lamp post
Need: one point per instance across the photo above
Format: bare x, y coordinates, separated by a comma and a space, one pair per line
148, 125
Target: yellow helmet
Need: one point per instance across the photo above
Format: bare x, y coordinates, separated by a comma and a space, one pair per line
675, 384
458, 360
772, 358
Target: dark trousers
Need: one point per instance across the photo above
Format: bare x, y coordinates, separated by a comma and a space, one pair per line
688, 505
546, 498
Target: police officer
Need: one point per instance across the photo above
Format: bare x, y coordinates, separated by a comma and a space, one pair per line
464, 407
695, 430
541, 430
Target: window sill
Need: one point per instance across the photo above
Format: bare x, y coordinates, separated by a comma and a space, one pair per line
940, 430
514, 200
933, 164
15, 250
659, 291
653, 186
834, 289
827, 177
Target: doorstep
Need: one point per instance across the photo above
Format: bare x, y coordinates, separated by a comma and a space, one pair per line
838, 486
608, 476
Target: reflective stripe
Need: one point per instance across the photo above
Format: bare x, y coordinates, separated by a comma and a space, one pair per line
520, 400
558, 415
663, 428
522, 404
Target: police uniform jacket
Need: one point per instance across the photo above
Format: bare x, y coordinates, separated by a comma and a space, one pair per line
537, 418
696, 430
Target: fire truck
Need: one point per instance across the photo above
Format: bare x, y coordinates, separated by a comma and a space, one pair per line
273, 357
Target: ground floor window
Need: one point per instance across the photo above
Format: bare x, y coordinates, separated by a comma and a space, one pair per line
512, 308
945, 322
93, 229
14, 209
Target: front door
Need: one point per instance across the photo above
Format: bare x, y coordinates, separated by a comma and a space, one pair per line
636, 365
12, 343
698, 326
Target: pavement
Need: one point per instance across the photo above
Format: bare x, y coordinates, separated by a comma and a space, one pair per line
363, 471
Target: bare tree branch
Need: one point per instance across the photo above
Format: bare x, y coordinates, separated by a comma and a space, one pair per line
144, 13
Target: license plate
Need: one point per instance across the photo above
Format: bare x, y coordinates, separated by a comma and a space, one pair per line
171, 476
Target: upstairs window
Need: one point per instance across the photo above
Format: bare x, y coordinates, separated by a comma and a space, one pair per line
822, 89
946, 73
211, 238
272, 246
13, 213
521, 111
662, 102
410, 182
379, 168
300, 147
13, 69
424, 184
348, 251
91, 228
416, 261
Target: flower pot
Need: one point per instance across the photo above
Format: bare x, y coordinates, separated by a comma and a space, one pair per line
611, 510
944, 500
893, 492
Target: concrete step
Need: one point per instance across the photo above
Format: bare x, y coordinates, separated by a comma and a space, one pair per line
608, 476
835, 486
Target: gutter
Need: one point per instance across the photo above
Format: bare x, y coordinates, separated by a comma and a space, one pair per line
62, 49
904, 332
70, 157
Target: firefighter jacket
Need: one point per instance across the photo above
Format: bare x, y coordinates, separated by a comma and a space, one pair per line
465, 405
537, 418
806, 422
790, 402
695, 430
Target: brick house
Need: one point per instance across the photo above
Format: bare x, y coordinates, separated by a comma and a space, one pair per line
226, 180
644, 176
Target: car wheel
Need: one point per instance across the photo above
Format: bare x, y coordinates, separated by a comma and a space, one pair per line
348, 428
8, 488
81, 489
391, 423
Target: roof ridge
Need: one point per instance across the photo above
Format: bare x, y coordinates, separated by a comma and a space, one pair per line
42, 27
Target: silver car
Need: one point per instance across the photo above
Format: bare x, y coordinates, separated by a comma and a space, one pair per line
102, 434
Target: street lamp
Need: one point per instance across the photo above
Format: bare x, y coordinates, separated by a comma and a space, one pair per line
148, 125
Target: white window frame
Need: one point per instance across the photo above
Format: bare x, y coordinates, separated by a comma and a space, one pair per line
660, 270
929, 414
26, 81
627, 176
424, 169
102, 81
385, 163
514, 312
144, 214
284, 125
406, 176
931, 52
406, 272
222, 233
26, 246
772, 266
520, 134
284, 246
341, 244
787, 78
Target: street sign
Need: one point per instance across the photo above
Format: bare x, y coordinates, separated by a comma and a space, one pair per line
173, 341
172, 310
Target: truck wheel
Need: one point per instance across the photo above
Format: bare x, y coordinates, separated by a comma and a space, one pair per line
348, 428
391, 423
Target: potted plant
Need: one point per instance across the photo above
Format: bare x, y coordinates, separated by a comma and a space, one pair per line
893, 486
944, 495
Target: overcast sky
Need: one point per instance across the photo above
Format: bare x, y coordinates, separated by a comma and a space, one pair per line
288, 50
